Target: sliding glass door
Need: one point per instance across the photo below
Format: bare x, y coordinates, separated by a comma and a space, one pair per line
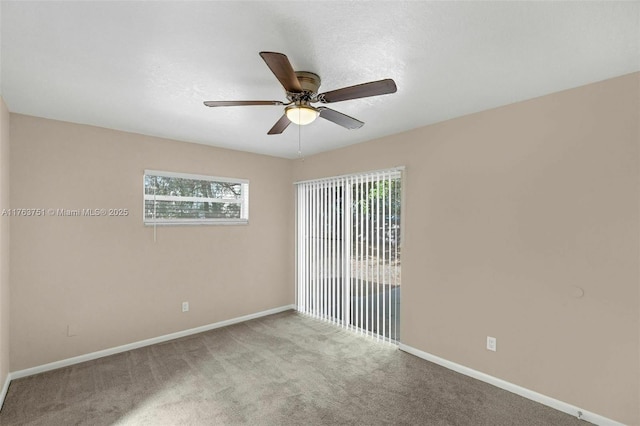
348, 251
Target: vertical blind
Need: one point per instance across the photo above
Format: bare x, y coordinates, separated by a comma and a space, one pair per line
348, 251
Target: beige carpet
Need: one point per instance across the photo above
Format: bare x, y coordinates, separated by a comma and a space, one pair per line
285, 369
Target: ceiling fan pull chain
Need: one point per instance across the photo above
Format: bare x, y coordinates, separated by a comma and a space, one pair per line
299, 142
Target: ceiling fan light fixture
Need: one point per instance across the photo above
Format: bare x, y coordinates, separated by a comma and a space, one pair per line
302, 114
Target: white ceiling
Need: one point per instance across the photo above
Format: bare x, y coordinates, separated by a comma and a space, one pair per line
146, 67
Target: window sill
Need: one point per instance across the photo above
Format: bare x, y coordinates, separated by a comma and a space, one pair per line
197, 222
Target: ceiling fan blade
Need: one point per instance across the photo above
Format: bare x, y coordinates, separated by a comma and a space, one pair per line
364, 90
282, 69
240, 103
280, 125
340, 118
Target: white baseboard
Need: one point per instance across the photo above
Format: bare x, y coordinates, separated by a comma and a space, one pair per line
135, 345
4, 390
518, 390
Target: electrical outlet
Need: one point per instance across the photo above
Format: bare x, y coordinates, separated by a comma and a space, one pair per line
492, 343
185, 306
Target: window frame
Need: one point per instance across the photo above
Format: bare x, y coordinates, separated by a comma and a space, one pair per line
243, 200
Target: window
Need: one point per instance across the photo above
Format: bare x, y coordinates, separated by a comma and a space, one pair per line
184, 199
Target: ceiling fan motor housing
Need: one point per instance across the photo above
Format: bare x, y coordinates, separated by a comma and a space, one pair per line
309, 81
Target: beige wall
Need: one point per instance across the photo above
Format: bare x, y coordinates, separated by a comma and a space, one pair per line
4, 243
105, 277
506, 211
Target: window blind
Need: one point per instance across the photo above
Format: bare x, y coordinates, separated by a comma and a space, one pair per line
348, 251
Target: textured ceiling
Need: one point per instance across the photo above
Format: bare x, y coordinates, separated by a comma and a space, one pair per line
146, 67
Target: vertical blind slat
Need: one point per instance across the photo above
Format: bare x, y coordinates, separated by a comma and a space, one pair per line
377, 297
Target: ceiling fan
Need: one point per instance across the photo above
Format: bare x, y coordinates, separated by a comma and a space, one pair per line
301, 88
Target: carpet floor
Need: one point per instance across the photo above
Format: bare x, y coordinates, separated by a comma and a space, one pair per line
284, 369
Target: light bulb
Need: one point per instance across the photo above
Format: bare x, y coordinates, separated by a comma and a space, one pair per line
301, 114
